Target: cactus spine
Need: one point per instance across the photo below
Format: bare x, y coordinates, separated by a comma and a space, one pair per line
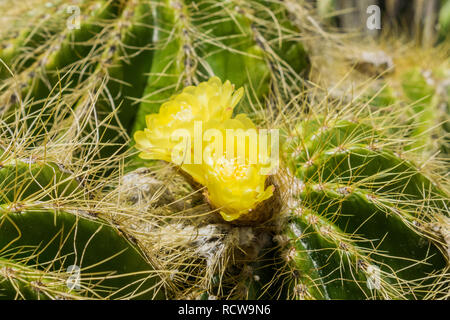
363, 216
347, 179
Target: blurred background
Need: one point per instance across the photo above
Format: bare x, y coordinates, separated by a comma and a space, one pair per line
426, 21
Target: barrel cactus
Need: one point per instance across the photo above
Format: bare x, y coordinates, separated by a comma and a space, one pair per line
397, 73
106, 194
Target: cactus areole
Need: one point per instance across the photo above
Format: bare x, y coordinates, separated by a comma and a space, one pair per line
181, 150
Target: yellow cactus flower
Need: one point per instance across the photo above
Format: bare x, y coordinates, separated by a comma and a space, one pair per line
209, 100
234, 168
231, 158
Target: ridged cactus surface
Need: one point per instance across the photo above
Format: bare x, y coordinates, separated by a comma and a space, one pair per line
358, 208
44, 234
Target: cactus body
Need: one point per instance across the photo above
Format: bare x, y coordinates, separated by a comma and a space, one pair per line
111, 265
350, 215
18, 281
36, 228
39, 79
359, 208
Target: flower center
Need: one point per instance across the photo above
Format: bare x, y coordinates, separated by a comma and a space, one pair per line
231, 167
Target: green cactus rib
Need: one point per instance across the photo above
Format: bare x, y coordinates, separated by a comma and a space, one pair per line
362, 222
425, 104
167, 66
322, 267
284, 52
444, 19
21, 51
40, 79
124, 63
326, 9
112, 266
427, 118
327, 263
15, 46
166, 45
260, 279
229, 46
22, 179
359, 208
136, 61
19, 281
353, 153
